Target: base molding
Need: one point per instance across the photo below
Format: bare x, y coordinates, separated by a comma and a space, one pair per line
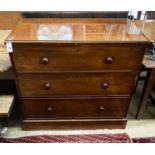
74, 124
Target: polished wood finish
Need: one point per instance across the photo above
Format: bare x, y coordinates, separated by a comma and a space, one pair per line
84, 78
75, 84
80, 57
74, 124
75, 108
76, 30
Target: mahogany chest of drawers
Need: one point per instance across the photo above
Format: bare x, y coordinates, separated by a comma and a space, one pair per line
84, 79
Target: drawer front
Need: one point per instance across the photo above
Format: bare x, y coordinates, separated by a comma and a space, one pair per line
81, 57
75, 108
75, 84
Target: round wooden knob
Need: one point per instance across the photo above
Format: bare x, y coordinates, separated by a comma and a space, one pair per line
104, 85
49, 109
47, 85
102, 108
109, 60
44, 60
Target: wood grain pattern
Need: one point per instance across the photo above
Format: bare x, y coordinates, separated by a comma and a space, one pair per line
79, 57
75, 108
75, 30
75, 79
75, 84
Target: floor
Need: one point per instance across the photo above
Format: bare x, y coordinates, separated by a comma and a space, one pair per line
145, 127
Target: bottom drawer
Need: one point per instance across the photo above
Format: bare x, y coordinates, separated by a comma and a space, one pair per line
75, 108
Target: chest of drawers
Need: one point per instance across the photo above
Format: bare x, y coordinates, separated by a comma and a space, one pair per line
82, 82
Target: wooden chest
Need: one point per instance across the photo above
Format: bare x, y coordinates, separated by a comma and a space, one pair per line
85, 80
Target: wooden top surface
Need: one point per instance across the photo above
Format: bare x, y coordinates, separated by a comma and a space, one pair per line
6, 103
76, 30
147, 28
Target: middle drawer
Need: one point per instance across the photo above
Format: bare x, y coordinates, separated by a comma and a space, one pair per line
40, 85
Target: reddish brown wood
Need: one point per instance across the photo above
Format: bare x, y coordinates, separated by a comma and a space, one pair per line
81, 30
90, 76
45, 85
75, 108
80, 57
74, 124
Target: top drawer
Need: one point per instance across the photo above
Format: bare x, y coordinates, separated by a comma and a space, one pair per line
48, 57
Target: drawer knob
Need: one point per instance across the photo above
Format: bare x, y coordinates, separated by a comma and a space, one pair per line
49, 109
105, 85
102, 108
47, 85
44, 60
109, 60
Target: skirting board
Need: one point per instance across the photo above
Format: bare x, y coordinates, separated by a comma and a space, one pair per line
74, 124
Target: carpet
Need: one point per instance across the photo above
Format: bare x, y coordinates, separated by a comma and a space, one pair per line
89, 138
144, 140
